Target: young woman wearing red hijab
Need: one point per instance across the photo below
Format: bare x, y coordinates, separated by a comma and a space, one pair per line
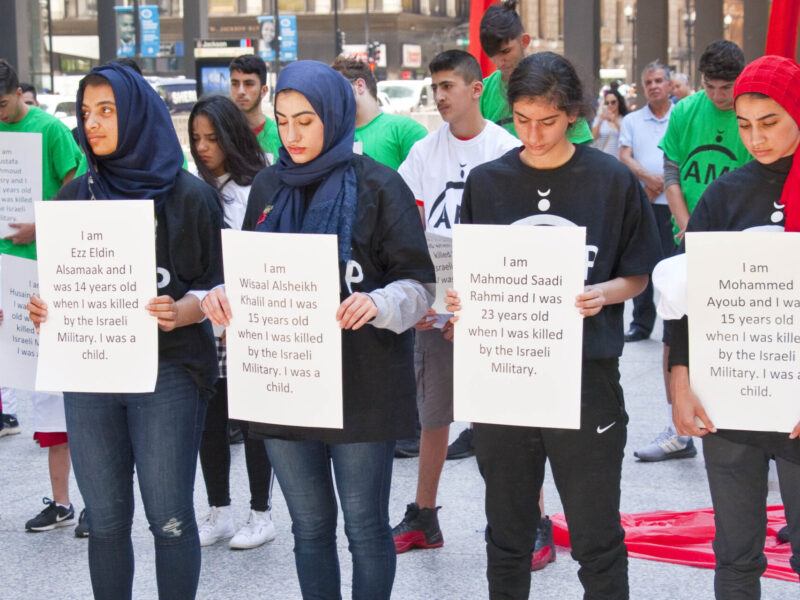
763, 194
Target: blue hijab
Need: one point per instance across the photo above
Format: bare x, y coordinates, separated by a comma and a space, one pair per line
148, 157
333, 206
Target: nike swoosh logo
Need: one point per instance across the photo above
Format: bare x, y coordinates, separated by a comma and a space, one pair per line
606, 428
59, 518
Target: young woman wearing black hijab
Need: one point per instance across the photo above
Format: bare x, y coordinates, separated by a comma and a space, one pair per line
133, 153
320, 186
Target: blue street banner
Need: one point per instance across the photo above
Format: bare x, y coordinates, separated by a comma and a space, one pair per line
266, 28
126, 31
151, 34
288, 37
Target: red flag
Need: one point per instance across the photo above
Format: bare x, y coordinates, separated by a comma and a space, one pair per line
784, 20
476, 10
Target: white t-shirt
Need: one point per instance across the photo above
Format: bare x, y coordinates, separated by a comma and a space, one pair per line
607, 138
438, 165
234, 200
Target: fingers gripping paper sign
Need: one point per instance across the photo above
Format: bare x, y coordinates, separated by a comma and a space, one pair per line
20, 178
97, 272
441, 251
284, 344
519, 336
19, 342
744, 327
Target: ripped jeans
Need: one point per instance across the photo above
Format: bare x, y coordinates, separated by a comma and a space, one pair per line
158, 433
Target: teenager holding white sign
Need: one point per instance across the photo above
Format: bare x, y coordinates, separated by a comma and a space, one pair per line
763, 194
553, 182
228, 157
60, 157
133, 153
387, 283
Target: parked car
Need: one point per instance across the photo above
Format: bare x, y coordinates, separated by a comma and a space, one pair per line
385, 104
178, 93
407, 95
61, 107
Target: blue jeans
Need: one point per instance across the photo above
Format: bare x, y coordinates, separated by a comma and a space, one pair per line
158, 433
363, 475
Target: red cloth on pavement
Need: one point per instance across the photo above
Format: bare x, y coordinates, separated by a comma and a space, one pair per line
684, 538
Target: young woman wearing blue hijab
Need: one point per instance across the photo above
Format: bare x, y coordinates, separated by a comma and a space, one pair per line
133, 153
320, 186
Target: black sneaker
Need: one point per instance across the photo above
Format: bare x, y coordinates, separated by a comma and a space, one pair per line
783, 534
462, 446
82, 528
51, 517
407, 448
10, 425
544, 551
418, 529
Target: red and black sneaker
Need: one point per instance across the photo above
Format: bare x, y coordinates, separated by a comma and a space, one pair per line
544, 551
418, 529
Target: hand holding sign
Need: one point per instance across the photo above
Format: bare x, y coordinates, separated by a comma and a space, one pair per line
97, 275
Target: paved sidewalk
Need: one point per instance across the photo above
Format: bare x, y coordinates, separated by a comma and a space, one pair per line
54, 564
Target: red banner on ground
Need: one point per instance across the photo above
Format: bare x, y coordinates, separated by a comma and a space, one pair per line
684, 538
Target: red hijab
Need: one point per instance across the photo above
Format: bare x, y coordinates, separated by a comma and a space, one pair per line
778, 78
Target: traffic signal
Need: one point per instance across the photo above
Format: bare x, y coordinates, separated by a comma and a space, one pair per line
340, 42
374, 51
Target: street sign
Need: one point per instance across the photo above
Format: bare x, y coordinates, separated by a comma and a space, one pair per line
150, 32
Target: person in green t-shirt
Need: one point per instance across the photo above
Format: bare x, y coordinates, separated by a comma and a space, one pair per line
383, 137
504, 41
60, 157
702, 140
701, 143
248, 88
60, 153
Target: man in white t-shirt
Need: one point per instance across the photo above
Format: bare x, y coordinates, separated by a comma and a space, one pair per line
435, 171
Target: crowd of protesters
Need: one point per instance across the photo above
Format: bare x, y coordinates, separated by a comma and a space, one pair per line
331, 162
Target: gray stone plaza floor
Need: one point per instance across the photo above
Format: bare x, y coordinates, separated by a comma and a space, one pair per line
53, 565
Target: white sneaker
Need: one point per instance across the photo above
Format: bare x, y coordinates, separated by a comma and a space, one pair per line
216, 525
668, 444
258, 530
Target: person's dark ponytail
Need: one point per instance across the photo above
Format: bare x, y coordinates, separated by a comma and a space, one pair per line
550, 77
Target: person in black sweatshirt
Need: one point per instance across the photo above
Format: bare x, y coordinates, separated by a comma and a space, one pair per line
386, 285
553, 182
133, 153
763, 194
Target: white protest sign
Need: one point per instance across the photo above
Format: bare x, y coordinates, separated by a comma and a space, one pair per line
284, 343
20, 178
519, 337
441, 250
744, 327
19, 342
97, 271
